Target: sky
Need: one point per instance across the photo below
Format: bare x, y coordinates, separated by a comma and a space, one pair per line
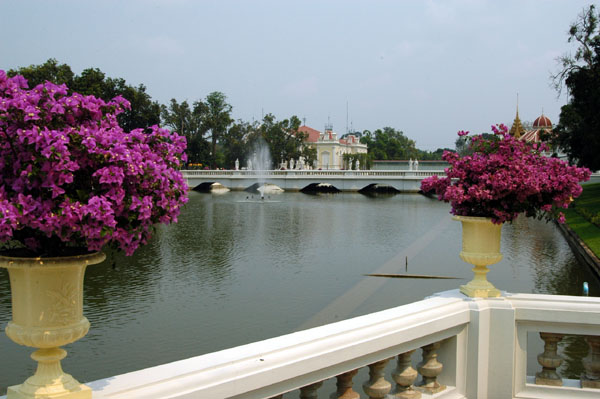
428, 68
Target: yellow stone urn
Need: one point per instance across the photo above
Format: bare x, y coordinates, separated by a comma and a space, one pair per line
47, 312
481, 248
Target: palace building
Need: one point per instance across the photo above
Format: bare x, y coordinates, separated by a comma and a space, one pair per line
330, 149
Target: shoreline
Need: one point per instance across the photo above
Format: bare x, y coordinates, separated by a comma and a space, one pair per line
580, 249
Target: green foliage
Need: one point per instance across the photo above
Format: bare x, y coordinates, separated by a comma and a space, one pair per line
215, 117
143, 113
433, 155
578, 130
235, 143
388, 144
463, 143
582, 216
284, 140
50, 70
187, 122
588, 204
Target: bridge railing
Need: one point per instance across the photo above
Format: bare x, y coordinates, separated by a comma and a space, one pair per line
447, 345
305, 173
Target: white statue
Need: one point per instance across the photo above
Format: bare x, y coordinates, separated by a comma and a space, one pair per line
416, 164
237, 164
292, 165
410, 164
357, 164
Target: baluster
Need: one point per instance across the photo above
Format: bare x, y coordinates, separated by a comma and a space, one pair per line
344, 386
310, 391
549, 360
591, 364
405, 375
430, 368
377, 387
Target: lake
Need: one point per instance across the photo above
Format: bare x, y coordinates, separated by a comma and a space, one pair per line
236, 269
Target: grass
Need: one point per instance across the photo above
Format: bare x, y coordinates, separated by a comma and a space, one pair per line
587, 204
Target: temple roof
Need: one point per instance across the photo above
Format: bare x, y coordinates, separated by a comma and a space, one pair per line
542, 122
517, 128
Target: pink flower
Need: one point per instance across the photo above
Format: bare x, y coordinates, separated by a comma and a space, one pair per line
504, 177
69, 171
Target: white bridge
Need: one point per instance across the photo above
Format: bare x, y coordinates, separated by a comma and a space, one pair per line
405, 181
296, 180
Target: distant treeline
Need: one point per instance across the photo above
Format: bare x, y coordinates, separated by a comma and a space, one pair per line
215, 139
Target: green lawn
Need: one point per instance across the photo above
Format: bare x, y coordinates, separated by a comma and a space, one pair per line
587, 204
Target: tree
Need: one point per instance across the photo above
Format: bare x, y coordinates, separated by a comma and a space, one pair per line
235, 143
143, 113
284, 140
50, 70
216, 118
187, 122
388, 144
578, 129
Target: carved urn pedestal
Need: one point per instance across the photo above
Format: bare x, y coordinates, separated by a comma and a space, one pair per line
47, 312
481, 248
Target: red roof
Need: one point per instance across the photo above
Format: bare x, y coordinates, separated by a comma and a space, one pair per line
542, 122
313, 134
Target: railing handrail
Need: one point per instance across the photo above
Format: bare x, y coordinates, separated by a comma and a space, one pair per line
270, 367
481, 329
309, 173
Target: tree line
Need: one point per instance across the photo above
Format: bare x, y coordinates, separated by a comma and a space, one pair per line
215, 139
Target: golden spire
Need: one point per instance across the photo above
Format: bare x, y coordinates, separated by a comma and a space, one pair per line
517, 127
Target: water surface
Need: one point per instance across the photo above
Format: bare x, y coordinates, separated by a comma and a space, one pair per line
236, 270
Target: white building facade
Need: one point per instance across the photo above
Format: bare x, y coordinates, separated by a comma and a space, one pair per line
330, 149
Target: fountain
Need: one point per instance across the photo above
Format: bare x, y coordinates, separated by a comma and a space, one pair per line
261, 162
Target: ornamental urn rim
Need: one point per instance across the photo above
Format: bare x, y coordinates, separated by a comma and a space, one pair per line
474, 219
33, 261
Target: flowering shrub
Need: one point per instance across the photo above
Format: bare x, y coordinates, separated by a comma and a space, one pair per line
503, 177
71, 177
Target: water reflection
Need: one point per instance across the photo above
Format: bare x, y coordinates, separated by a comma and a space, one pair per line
235, 271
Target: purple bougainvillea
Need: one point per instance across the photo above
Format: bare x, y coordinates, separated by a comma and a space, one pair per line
503, 177
71, 177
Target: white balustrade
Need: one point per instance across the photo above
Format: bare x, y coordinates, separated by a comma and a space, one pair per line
405, 376
474, 347
377, 387
344, 386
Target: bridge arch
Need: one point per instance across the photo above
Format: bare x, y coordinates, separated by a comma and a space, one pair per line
320, 188
379, 188
204, 187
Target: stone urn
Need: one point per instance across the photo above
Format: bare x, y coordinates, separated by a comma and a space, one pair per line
47, 313
481, 248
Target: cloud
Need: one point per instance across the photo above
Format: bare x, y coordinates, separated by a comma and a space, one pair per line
305, 87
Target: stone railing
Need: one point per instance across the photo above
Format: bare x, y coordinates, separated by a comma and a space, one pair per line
446, 346
303, 173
